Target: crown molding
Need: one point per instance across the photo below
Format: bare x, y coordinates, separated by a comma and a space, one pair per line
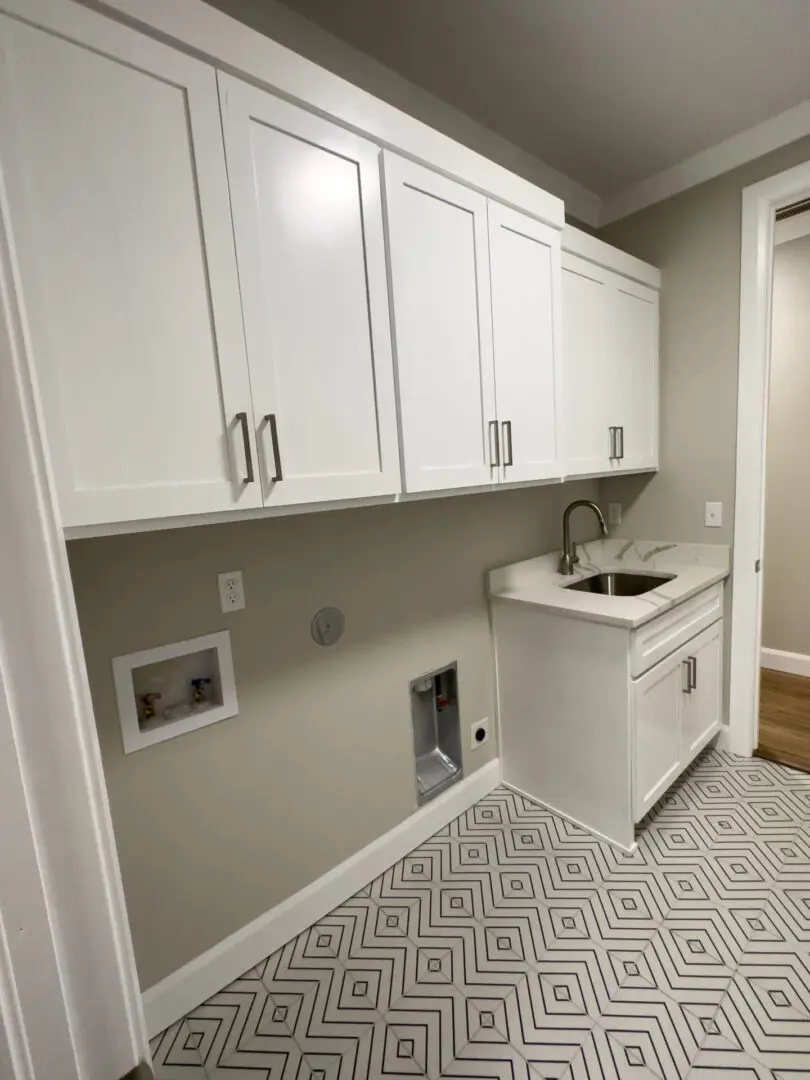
786, 127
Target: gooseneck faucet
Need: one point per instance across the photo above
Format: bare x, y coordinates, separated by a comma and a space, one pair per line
569, 552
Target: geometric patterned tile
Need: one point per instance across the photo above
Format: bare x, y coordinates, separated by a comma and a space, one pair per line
515, 944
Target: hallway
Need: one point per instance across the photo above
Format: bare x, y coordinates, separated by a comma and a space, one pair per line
784, 719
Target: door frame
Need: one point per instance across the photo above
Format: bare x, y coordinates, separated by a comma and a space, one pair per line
68, 980
759, 204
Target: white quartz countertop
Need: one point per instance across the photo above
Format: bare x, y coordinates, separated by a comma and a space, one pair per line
536, 581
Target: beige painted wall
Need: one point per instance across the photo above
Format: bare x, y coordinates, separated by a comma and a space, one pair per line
695, 240
215, 827
786, 593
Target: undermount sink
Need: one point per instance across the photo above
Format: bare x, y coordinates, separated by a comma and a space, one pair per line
621, 583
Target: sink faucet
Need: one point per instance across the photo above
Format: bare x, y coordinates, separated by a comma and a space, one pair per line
569, 552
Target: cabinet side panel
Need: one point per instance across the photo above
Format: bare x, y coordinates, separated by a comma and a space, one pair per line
563, 713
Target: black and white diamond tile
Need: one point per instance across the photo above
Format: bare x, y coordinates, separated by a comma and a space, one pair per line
513, 944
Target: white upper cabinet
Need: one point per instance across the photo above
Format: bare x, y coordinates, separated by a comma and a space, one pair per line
586, 367
632, 336
610, 361
525, 273
112, 153
307, 215
443, 328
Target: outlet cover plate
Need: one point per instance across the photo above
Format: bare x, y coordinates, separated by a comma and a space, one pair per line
714, 515
479, 725
231, 591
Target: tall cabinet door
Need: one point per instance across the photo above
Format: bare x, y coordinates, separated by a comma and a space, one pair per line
525, 272
309, 237
112, 150
439, 259
703, 705
633, 390
587, 375
656, 706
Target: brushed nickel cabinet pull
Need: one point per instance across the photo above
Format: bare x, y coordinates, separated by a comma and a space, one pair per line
496, 453
270, 419
620, 455
688, 688
242, 419
692, 672
613, 454
506, 428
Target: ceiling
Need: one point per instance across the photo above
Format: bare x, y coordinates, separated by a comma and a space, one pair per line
609, 92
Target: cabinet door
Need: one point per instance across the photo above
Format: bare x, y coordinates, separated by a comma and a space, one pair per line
112, 150
656, 703
439, 257
525, 272
307, 214
702, 707
633, 389
586, 367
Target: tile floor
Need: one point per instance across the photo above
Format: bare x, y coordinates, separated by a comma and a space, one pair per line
513, 944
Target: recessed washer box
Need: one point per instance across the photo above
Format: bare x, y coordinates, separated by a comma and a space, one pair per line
174, 689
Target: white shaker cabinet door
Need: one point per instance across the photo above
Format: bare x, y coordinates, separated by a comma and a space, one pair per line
309, 237
525, 273
703, 705
633, 389
439, 264
586, 373
112, 152
656, 705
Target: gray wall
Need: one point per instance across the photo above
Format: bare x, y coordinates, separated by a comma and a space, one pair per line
215, 827
695, 240
786, 584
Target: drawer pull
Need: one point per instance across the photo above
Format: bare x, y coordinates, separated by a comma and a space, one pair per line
688, 688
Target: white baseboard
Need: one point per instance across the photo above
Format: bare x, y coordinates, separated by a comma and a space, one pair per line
791, 662
204, 976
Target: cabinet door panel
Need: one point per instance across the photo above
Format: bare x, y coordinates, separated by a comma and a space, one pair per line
586, 367
525, 271
633, 321
308, 222
112, 149
443, 327
656, 707
702, 707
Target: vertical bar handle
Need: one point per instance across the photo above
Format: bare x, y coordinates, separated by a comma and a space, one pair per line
496, 453
241, 418
506, 429
270, 420
620, 431
688, 688
692, 661
613, 453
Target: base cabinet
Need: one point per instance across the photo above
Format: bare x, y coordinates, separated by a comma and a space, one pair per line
597, 721
676, 708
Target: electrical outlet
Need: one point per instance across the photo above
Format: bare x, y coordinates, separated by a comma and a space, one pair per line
231, 591
479, 733
614, 513
713, 516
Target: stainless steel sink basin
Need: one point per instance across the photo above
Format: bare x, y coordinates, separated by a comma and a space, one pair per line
620, 584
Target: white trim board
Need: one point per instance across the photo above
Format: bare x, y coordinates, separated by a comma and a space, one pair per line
791, 663
195, 982
759, 204
748, 145
792, 228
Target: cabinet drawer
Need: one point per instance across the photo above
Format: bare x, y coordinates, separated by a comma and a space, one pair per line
661, 636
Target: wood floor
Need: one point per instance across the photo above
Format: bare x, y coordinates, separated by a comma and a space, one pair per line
784, 719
